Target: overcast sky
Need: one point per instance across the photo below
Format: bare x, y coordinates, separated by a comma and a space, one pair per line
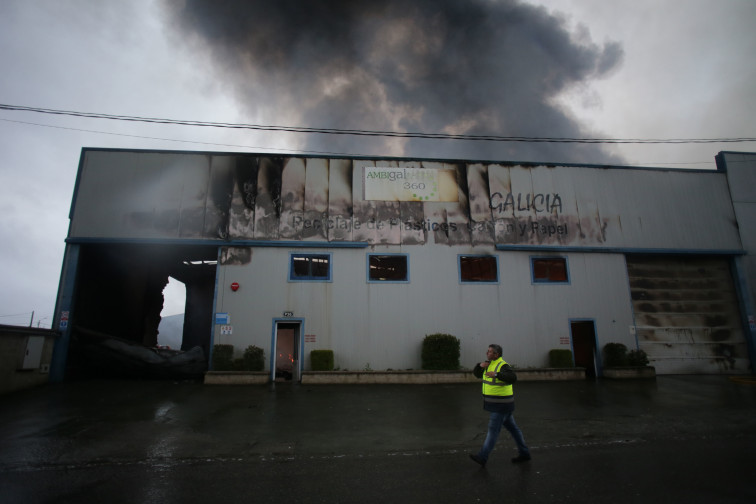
544, 68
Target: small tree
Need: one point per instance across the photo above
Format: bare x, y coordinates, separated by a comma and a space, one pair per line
615, 355
440, 352
223, 357
637, 358
560, 358
254, 358
321, 360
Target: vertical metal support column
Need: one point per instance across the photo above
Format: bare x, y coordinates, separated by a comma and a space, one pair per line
63, 311
748, 314
215, 310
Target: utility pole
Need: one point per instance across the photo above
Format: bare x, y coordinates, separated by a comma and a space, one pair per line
32, 319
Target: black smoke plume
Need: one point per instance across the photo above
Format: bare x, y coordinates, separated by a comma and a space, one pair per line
479, 67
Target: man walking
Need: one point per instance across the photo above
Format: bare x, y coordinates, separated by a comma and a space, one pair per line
498, 400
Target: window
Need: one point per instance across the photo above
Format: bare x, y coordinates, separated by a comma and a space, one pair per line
310, 267
478, 269
388, 268
549, 269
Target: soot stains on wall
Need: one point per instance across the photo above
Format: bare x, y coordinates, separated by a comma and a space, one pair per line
268, 200
253, 197
241, 215
686, 313
321, 199
237, 256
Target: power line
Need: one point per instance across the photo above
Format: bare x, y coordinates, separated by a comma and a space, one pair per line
163, 139
268, 148
29, 320
17, 314
357, 132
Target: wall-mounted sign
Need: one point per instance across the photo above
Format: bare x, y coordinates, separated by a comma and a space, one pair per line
383, 183
288, 314
222, 318
226, 329
310, 338
235, 286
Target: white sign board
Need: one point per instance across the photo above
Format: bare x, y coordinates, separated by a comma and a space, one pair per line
382, 183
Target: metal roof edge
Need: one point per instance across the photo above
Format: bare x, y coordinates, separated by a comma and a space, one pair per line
84, 240
620, 250
547, 164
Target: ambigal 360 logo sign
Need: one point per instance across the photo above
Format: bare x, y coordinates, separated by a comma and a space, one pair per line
409, 184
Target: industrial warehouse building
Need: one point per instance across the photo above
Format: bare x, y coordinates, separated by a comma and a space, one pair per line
367, 256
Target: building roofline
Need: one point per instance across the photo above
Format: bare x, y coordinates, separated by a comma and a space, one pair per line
84, 150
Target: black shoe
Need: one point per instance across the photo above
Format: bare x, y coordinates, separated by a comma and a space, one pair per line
520, 458
478, 460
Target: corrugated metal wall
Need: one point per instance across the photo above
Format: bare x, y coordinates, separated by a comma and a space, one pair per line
686, 314
741, 175
248, 197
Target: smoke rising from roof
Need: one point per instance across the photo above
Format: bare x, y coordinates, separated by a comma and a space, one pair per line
467, 67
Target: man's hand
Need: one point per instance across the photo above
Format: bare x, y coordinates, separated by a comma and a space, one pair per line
491, 374
484, 364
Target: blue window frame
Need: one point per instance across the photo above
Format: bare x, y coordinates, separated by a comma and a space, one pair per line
388, 268
478, 268
549, 270
309, 267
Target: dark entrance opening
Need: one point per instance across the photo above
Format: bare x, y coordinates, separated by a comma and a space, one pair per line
117, 304
286, 352
584, 346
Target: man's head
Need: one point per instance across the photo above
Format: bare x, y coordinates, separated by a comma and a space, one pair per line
494, 352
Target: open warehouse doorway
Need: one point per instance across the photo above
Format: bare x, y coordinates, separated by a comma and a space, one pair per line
118, 303
171, 327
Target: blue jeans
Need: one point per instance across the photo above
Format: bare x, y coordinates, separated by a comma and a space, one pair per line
495, 423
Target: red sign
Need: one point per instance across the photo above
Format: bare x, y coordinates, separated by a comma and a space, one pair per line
235, 286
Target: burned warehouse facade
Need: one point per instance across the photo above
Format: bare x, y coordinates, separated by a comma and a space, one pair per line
367, 256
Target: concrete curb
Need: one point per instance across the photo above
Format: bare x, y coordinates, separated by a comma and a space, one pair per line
236, 377
388, 377
630, 372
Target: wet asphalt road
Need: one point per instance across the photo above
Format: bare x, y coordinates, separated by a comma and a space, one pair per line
682, 439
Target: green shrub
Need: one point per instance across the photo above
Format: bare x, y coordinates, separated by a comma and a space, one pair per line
223, 356
321, 360
253, 358
560, 358
615, 355
637, 358
440, 352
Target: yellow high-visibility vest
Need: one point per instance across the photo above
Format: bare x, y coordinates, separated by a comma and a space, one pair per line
494, 386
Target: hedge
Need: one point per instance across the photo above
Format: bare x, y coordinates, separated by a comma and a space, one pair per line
223, 357
560, 358
321, 360
254, 358
440, 352
616, 355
